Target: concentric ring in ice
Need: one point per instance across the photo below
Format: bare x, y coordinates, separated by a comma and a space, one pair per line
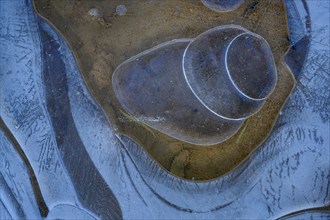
199, 91
230, 70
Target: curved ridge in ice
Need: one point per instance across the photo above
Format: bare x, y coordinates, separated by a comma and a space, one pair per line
223, 5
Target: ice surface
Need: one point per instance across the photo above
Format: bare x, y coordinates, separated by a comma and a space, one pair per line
23, 101
299, 23
37, 78
296, 20
17, 198
223, 5
288, 173
310, 214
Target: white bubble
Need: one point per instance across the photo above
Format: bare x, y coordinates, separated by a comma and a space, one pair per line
94, 12
121, 10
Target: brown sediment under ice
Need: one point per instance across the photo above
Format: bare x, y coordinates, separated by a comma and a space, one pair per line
101, 44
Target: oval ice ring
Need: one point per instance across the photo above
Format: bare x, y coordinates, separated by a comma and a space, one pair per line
153, 88
230, 70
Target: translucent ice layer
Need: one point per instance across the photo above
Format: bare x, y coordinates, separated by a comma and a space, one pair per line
152, 88
198, 91
223, 5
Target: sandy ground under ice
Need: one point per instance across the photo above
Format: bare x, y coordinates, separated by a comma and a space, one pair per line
100, 45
